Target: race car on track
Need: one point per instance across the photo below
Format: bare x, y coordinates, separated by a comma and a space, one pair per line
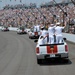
21, 30
4, 28
34, 35
45, 51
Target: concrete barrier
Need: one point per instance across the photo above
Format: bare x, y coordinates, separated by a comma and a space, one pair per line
13, 28
10, 28
70, 37
0, 27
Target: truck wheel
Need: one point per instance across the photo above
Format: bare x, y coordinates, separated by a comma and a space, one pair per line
66, 60
39, 61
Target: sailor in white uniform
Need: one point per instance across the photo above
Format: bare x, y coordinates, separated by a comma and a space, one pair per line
40, 41
34, 28
58, 32
38, 27
43, 33
51, 33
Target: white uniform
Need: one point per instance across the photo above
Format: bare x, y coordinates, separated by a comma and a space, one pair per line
58, 32
40, 41
51, 34
34, 28
38, 28
44, 33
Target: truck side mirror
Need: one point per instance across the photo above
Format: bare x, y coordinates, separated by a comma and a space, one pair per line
35, 41
64, 38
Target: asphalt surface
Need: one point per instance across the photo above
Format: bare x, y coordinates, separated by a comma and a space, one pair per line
17, 57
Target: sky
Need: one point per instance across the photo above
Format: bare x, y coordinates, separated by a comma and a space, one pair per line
13, 2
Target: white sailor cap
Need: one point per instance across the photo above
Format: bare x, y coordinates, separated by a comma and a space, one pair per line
58, 23
51, 24
42, 26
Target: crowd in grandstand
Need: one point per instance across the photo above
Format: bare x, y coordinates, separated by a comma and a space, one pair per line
31, 16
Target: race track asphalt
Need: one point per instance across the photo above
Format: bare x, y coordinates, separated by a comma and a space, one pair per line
17, 57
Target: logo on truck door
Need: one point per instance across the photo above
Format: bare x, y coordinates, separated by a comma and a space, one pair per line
52, 49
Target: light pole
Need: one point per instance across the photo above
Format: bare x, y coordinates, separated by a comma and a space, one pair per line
0, 4
64, 13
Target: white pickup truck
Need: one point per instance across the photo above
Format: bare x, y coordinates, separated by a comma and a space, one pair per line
44, 51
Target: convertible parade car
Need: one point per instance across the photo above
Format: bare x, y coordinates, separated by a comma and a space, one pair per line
4, 29
21, 31
34, 35
44, 51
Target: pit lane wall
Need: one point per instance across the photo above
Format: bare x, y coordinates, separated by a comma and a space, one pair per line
13, 28
10, 28
69, 37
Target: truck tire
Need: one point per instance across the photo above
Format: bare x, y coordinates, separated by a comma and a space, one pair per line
39, 61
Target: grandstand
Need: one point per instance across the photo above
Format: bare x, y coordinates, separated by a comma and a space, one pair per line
29, 15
